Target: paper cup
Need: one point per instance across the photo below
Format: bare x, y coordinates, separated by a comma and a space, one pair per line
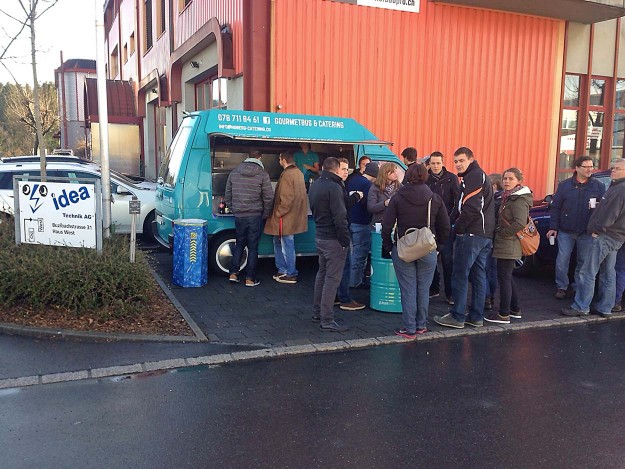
592, 202
552, 240
378, 227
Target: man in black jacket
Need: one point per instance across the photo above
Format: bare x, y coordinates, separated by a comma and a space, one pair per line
327, 203
446, 185
474, 225
607, 229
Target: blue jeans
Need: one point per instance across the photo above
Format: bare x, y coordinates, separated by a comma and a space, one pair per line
601, 258
284, 250
470, 256
620, 274
414, 279
361, 247
566, 243
343, 292
248, 231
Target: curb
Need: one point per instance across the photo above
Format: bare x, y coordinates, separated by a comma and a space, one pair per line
277, 352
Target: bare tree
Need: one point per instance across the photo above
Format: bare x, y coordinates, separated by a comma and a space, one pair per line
20, 106
28, 20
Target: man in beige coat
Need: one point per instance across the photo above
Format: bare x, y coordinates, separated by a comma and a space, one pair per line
289, 217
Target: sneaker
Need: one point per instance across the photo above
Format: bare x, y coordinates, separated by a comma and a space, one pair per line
337, 301
450, 301
560, 294
434, 294
278, 275
617, 309
316, 318
605, 315
421, 331
515, 314
287, 279
403, 332
333, 327
448, 321
234, 278
352, 306
251, 282
498, 318
572, 312
471, 322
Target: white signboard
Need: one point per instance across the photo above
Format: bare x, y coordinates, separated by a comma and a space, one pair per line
401, 5
57, 213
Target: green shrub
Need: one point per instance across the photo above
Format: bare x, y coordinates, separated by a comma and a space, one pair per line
76, 279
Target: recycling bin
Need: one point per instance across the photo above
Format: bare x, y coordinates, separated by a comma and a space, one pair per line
384, 292
190, 252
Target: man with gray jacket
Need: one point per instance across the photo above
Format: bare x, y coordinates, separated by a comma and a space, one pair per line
607, 229
250, 196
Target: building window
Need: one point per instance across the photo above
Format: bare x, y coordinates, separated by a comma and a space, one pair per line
618, 131
182, 4
132, 43
114, 63
160, 17
211, 94
568, 130
147, 25
125, 53
596, 121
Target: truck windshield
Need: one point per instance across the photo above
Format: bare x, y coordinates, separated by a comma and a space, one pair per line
171, 164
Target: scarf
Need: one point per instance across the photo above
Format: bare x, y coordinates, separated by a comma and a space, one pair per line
389, 190
507, 194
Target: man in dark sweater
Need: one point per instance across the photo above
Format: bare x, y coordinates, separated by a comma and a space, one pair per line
572, 205
474, 224
327, 203
607, 229
446, 185
250, 196
359, 223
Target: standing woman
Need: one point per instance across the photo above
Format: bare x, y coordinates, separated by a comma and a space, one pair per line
409, 209
382, 189
516, 201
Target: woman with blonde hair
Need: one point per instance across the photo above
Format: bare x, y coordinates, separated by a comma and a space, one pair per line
382, 189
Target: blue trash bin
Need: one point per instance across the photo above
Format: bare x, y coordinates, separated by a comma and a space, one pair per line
190, 253
384, 292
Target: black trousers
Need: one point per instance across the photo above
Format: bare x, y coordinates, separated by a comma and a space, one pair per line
508, 298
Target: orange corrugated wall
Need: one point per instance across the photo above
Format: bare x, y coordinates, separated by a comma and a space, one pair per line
436, 80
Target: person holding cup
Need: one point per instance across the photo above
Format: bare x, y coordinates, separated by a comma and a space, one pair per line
383, 188
573, 204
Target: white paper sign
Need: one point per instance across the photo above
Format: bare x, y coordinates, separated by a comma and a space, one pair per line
401, 5
57, 213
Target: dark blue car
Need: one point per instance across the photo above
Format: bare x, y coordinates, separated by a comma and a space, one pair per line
546, 254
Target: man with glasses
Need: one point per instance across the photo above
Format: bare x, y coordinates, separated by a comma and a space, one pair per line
573, 204
607, 230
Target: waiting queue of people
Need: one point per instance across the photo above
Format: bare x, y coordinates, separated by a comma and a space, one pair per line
483, 235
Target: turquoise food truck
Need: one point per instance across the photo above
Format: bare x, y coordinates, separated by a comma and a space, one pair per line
210, 144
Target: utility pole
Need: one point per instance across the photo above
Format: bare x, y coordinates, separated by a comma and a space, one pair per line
103, 117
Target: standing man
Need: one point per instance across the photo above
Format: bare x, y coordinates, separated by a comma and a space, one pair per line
359, 223
289, 217
607, 230
409, 154
362, 163
307, 161
474, 218
327, 203
572, 206
446, 185
249, 195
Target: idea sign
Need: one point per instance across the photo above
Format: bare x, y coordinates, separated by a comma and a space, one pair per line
57, 213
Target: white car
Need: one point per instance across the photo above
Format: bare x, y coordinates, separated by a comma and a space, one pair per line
122, 188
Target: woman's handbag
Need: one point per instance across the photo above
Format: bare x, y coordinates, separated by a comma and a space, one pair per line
528, 237
417, 242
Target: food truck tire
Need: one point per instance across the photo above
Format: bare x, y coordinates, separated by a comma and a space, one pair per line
148, 228
220, 249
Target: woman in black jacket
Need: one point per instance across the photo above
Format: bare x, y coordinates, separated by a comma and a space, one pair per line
409, 209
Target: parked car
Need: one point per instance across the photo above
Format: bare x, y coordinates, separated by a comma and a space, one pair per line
122, 188
546, 254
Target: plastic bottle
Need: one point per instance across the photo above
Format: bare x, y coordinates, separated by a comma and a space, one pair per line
222, 206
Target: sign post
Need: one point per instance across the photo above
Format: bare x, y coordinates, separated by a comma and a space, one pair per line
134, 209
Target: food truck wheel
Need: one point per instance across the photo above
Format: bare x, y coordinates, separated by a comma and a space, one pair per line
220, 248
148, 228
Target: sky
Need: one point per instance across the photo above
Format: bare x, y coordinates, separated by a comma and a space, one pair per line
69, 26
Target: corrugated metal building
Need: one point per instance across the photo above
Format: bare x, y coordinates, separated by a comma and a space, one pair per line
528, 84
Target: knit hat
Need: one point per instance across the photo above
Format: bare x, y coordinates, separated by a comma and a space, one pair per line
372, 169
